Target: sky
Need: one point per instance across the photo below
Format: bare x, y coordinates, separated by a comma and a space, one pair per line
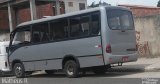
131, 2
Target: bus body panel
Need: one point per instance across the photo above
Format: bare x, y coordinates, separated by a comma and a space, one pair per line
120, 41
34, 57
87, 51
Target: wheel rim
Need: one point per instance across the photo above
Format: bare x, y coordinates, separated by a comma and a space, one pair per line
70, 69
18, 70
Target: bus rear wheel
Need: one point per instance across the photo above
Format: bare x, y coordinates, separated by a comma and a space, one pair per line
71, 69
19, 70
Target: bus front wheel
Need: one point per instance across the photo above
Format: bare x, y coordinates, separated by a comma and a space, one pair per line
71, 69
19, 70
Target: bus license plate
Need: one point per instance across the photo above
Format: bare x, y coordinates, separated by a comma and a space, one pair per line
125, 59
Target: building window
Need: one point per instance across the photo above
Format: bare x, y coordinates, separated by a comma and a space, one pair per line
62, 7
81, 6
70, 4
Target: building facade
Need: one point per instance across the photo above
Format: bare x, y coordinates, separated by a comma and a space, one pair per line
140, 11
14, 12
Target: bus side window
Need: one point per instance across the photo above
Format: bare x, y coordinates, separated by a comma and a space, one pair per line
75, 27
85, 25
95, 23
79, 26
59, 29
36, 37
40, 33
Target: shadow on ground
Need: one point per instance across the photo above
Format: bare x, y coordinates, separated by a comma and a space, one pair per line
113, 72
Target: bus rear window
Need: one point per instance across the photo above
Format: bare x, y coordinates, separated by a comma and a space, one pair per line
120, 20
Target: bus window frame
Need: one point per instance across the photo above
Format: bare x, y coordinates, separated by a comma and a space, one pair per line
68, 20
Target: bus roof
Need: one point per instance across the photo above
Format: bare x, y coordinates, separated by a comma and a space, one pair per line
69, 14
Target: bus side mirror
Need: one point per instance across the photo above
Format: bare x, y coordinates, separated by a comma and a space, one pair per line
7, 49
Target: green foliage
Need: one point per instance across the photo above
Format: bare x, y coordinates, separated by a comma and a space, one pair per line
98, 4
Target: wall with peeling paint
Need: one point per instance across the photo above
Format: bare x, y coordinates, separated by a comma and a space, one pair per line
148, 35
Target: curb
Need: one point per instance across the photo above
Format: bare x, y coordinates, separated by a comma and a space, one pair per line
152, 69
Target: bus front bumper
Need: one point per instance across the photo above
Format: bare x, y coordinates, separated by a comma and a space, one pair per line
5, 70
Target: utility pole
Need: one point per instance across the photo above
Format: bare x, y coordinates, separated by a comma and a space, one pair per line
33, 9
10, 15
58, 7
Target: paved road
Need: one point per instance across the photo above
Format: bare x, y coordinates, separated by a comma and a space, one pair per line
114, 76
90, 78
127, 74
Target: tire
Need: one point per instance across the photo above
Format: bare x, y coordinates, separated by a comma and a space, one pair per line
49, 71
71, 69
19, 70
1, 74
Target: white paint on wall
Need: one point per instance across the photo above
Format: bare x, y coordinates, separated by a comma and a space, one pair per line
75, 5
4, 37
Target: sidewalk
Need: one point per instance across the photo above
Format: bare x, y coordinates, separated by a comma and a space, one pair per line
142, 64
154, 66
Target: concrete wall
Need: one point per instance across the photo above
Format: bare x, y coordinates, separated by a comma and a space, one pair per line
75, 5
4, 36
148, 35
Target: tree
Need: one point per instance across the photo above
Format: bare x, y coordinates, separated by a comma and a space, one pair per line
98, 4
93, 4
158, 5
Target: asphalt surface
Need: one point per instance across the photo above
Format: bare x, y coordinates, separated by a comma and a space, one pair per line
89, 78
127, 74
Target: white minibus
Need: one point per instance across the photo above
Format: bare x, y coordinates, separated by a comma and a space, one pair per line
89, 39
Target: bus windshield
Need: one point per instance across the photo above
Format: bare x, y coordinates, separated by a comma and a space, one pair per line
120, 20
21, 37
